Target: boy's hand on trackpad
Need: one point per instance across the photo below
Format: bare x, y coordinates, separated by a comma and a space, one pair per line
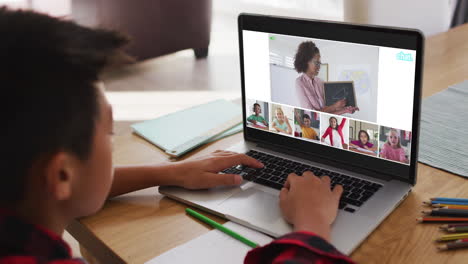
202, 173
308, 203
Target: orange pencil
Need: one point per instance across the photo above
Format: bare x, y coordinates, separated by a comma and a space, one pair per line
451, 206
442, 219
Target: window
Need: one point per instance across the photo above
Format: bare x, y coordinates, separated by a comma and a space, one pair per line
52, 7
317, 9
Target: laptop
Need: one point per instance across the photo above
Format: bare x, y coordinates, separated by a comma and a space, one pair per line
351, 112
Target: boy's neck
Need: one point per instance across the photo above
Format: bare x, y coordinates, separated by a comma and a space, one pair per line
42, 215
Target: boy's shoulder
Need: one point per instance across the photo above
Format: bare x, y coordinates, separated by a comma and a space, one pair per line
22, 242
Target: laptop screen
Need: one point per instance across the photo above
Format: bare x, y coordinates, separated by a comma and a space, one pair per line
352, 97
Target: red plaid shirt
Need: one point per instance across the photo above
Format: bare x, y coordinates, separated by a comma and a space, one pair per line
25, 243
297, 248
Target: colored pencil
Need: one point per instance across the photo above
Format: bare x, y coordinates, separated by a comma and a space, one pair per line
450, 206
461, 200
453, 237
453, 245
458, 229
445, 202
446, 212
462, 240
453, 225
442, 219
221, 228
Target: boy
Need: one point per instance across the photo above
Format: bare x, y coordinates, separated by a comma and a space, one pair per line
304, 122
57, 142
256, 118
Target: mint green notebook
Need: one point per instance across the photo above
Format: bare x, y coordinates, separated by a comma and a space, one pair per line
179, 132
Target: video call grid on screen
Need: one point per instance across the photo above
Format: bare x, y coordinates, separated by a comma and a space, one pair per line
382, 77
380, 136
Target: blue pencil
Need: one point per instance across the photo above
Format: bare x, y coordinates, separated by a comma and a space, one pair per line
460, 200
448, 202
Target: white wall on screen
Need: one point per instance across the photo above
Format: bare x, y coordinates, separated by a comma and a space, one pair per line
282, 81
396, 89
256, 65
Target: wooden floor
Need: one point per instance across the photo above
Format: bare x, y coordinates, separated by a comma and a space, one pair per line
178, 72
182, 72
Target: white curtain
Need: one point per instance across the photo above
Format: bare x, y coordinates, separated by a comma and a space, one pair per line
58, 8
316, 9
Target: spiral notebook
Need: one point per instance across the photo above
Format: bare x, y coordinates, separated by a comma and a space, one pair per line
178, 133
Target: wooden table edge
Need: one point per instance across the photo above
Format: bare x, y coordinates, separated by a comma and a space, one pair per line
100, 251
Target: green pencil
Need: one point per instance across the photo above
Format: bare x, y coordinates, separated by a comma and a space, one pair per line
221, 228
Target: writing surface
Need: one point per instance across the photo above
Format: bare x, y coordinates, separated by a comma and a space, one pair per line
335, 91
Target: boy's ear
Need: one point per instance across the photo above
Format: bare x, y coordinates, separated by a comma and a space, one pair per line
59, 174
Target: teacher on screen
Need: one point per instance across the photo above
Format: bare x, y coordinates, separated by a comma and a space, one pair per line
309, 87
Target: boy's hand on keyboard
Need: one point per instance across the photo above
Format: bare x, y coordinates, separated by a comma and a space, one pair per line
309, 204
202, 173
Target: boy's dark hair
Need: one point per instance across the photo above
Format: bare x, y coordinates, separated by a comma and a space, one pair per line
305, 116
305, 52
48, 71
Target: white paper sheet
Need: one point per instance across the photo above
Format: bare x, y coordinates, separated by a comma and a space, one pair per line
213, 247
365, 150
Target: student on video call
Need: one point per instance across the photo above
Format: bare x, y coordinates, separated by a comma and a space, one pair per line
304, 122
256, 118
281, 122
309, 87
335, 133
363, 142
392, 149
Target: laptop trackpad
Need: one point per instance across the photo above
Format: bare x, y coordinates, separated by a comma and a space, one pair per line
254, 204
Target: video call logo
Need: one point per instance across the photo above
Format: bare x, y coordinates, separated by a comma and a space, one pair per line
404, 56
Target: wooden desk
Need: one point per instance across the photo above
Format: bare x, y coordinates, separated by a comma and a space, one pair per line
138, 226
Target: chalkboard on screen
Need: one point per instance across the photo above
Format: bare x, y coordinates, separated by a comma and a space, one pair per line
335, 91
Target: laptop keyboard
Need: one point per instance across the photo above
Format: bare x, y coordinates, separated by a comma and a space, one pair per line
355, 191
